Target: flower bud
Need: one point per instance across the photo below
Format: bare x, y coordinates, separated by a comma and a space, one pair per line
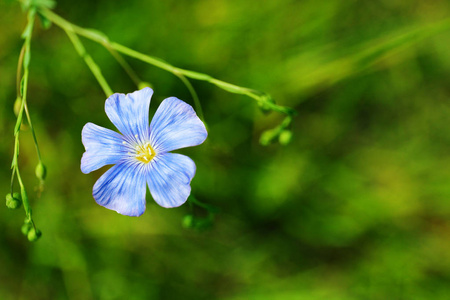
188, 221
13, 201
25, 228
17, 106
34, 234
267, 136
285, 137
41, 171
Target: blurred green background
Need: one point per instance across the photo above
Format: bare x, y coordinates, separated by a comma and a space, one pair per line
356, 207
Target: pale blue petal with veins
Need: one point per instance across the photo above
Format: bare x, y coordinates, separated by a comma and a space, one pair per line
103, 147
171, 175
175, 125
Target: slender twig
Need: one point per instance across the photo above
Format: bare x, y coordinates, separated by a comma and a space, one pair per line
124, 64
262, 98
89, 61
25, 60
20, 65
19, 69
194, 95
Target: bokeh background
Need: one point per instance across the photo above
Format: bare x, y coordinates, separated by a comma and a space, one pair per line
355, 207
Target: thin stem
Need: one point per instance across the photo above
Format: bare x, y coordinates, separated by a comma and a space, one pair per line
208, 207
133, 76
26, 203
198, 105
32, 132
165, 66
89, 61
12, 180
19, 69
24, 60
25, 51
262, 98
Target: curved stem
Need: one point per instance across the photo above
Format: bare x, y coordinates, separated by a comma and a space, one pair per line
262, 98
19, 69
124, 64
26, 49
198, 105
89, 61
33, 133
24, 60
210, 208
12, 180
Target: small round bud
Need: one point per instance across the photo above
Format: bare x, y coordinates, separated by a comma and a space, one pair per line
14, 201
34, 234
25, 229
144, 84
41, 171
27, 225
17, 106
188, 221
267, 136
285, 137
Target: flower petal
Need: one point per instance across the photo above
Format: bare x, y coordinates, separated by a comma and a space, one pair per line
122, 188
129, 113
103, 147
176, 125
169, 179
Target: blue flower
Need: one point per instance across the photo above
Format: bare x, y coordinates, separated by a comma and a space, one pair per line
140, 154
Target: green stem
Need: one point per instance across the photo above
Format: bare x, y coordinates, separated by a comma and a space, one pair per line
124, 64
263, 99
12, 180
26, 203
33, 132
194, 95
25, 53
19, 70
89, 61
24, 59
208, 207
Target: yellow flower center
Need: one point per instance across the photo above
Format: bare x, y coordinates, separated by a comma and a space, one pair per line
145, 153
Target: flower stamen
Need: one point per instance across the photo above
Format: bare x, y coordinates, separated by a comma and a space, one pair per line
145, 153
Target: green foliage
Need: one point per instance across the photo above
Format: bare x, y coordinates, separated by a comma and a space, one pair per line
355, 206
